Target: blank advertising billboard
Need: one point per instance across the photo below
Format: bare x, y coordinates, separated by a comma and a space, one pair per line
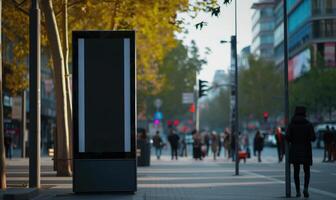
104, 94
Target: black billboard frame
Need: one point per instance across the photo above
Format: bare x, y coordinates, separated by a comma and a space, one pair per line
108, 35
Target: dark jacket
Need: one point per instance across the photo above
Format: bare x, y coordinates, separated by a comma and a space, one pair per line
300, 134
157, 141
173, 140
258, 143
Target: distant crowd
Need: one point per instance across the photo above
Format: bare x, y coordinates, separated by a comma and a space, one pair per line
212, 143
329, 139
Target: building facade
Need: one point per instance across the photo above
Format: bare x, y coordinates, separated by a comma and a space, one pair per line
243, 59
262, 29
311, 34
13, 109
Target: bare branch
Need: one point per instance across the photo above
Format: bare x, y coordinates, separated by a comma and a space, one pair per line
57, 14
18, 6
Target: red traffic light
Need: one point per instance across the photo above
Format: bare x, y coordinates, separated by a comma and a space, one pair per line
192, 108
265, 115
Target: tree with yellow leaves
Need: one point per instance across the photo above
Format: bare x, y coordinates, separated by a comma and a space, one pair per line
154, 22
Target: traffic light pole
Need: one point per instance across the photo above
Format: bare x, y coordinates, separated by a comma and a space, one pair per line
286, 102
34, 95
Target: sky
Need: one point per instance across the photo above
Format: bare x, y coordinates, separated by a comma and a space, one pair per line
217, 29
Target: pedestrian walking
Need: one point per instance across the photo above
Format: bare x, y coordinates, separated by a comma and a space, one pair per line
214, 144
233, 146
328, 143
333, 131
280, 143
183, 148
206, 140
246, 145
258, 144
158, 144
197, 145
173, 140
220, 143
300, 134
8, 146
227, 143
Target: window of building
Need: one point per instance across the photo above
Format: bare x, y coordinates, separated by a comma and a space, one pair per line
330, 6
266, 39
299, 16
317, 6
325, 28
291, 4
279, 34
330, 27
266, 12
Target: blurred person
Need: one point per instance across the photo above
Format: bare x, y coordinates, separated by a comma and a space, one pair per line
8, 146
206, 140
333, 131
214, 144
280, 143
328, 142
183, 149
197, 145
227, 142
220, 143
300, 134
158, 144
258, 144
173, 140
233, 146
246, 145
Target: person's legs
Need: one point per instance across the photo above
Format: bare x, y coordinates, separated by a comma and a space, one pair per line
306, 168
329, 151
7, 152
297, 178
259, 156
325, 152
172, 152
175, 152
279, 153
233, 154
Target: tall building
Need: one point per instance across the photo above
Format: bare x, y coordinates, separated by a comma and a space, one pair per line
243, 59
220, 80
311, 34
278, 44
262, 28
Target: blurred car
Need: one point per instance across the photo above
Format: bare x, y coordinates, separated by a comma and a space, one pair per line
269, 138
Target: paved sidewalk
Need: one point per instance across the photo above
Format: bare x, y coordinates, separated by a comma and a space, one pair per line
183, 179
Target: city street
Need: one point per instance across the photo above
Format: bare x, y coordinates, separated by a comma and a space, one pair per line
189, 179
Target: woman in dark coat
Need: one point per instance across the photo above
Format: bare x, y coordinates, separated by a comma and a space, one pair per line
300, 134
258, 145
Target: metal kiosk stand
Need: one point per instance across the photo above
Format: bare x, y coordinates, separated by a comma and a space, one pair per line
104, 111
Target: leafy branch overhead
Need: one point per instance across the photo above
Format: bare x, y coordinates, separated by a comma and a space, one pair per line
214, 10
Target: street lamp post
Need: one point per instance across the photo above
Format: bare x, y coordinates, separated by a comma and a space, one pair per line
234, 44
234, 92
286, 101
34, 95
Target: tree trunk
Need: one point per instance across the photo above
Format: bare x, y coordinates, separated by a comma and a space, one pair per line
63, 154
67, 73
3, 184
